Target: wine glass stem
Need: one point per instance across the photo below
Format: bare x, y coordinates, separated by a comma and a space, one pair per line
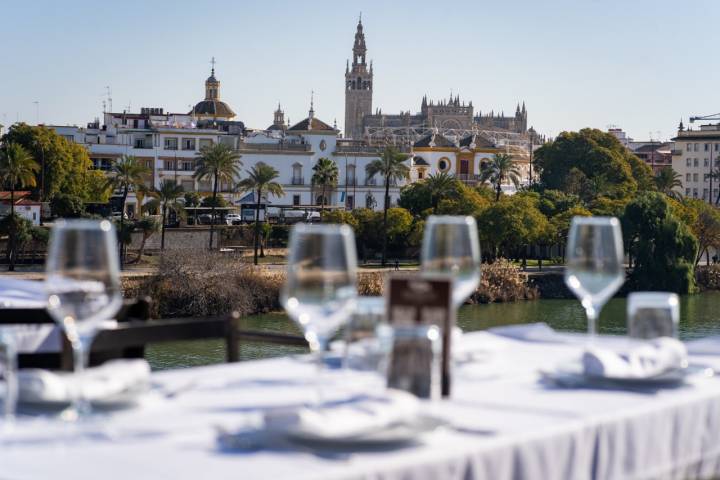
592, 322
81, 354
320, 369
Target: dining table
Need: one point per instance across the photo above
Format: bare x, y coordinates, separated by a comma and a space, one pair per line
500, 421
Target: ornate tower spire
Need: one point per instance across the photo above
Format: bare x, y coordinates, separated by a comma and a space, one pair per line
311, 113
358, 86
212, 85
279, 117
359, 48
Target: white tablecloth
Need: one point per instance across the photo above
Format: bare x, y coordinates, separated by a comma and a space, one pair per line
508, 426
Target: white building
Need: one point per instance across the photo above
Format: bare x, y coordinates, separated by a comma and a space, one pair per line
695, 151
169, 143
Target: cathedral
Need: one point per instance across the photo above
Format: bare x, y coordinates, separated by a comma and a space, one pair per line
447, 114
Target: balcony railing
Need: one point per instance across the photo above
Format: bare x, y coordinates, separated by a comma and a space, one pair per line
143, 145
468, 177
675, 152
358, 149
297, 181
275, 147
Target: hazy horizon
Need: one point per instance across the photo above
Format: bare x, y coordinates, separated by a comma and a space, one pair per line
638, 65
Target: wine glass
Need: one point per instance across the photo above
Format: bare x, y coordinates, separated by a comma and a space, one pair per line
594, 268
320, 291
83, 287
450, 246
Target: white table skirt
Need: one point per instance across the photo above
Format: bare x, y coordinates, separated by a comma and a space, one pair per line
534, 432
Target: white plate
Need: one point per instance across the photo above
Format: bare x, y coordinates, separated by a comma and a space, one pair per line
572, 375
393, 434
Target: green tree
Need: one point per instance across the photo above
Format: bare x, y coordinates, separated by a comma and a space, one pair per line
261, 181
416, 198
715, 176
512, 223
192, 199
667, 181
592, 164
167, 199
67, 206
341, 216
17, 170
325, 175
391, 165
663, 247
704, 223
126, 174
501, 168
65, 166
440, 186
218, 163
463, 200
18, 231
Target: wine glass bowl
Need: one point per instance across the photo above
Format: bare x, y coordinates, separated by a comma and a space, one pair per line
450, 246
320, 290
594, 268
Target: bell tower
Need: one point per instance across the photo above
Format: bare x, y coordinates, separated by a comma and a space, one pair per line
358, 87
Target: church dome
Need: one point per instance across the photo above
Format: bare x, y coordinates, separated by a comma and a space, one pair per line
214, 108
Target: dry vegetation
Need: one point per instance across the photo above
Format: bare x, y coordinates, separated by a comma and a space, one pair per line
708, 277
210, 283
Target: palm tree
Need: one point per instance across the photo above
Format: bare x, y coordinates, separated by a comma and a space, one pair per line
326, 175
440, 186
501, 168
147, 226
219, 163
667, 180
260, 180
126, 173
17, 169
167, 199
391, 165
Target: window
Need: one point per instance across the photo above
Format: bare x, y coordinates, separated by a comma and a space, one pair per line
695, 162
689, 147
297, 178
687, 192
69, 138
421, 174
695, 177
717, 147
695, 193
706, 147
188, 144
188, 165
351, 175
350, 202
705, 193
687, 177
171, 143
296, 199
705, 162
205, 142
444, 164
323, 145
688, 162
696, 147
169, 164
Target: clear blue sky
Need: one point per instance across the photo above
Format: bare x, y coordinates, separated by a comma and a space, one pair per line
638, 64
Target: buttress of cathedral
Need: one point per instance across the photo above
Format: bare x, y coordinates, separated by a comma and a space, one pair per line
450, 113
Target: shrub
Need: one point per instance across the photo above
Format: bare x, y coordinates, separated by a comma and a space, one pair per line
67, 206
211, 283
502, 281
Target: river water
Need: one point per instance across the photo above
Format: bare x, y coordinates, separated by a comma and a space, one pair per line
699, 317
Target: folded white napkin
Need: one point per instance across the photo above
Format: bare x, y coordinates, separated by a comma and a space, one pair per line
345, 419
16, 293
641, 361
113, 378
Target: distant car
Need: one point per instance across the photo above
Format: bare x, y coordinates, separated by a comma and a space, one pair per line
233, 219
313, 217
206, 219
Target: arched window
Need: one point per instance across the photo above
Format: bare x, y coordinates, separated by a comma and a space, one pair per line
320, 200
351, 175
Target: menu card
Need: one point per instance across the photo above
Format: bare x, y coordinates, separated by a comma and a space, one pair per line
417, 300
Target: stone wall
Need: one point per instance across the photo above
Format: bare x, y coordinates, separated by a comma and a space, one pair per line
178, 238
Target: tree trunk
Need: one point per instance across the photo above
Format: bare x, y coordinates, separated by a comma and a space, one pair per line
322, 204
122, 226
212, 212
257, 227
13, 231
385, 210
162, 231
497, 191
